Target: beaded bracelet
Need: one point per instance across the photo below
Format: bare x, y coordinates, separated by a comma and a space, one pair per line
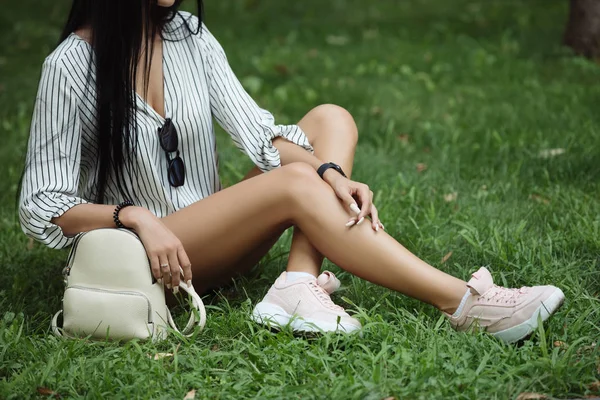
121, 206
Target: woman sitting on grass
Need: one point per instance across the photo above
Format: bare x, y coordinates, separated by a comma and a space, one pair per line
123, 120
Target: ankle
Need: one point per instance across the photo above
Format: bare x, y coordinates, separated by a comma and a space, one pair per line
455, 307
293, 276
305, 267
450, 310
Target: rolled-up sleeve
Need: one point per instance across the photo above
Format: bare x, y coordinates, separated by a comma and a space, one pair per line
51, 174
251, 127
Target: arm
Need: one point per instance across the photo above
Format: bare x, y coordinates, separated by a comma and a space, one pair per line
50, 209
161, 245
51, 174
254, 131
87, 217
252, 128
291, 152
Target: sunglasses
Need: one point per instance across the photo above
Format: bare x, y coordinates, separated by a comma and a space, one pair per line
169, 142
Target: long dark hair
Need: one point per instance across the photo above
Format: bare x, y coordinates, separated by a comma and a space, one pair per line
120, 31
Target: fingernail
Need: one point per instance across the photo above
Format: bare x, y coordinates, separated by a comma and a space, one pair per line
351, 222
382, 226
168, 286
360, 221
377, 228
176, 290
189, 283
159, 280
355, 208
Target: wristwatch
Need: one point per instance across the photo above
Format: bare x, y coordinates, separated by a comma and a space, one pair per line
328, 165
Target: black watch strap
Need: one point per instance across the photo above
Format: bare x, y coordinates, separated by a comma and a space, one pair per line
328, 165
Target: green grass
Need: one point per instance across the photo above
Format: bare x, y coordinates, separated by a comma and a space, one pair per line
473, 89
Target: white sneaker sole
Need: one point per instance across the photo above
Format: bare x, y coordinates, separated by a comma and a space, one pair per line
546, 309
274, 316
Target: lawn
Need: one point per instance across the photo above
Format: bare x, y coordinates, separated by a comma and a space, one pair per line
480, 136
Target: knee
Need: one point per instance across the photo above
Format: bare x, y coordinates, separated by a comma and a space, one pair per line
300, 173
299, 178
339, 117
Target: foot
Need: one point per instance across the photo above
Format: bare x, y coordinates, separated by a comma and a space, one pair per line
305, 305
508, 314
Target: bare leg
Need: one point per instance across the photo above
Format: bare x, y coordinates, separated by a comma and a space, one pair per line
221, 229
333, 134
223, 275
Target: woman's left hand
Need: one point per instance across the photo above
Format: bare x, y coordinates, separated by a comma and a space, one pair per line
357, 197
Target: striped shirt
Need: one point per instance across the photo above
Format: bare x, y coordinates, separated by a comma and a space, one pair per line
198, 85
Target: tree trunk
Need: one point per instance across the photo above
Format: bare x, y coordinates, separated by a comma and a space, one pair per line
583, 29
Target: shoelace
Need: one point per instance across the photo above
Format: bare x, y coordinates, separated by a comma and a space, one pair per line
324, 297
499, 294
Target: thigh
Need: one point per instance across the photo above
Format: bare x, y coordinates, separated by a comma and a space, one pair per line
247, 261
223, 275
240, 222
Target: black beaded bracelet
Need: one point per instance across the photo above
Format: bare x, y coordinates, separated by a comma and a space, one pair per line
118, 209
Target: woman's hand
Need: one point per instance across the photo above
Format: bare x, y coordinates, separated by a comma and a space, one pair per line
164, 249
357, 196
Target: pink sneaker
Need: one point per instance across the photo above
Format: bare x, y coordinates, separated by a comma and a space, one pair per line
305, 305
508, 314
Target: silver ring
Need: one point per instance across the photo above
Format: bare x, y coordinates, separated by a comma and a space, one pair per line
164, 265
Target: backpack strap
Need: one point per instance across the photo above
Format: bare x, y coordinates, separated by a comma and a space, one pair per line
55, 329
198, 306
59, 331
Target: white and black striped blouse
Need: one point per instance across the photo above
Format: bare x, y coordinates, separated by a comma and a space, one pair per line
198, 85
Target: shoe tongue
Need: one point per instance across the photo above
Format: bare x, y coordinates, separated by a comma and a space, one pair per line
281, 279
481, 281
328, 281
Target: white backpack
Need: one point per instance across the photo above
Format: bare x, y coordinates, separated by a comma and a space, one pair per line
111, 294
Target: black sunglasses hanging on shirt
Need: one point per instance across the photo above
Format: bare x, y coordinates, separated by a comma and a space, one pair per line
169, 142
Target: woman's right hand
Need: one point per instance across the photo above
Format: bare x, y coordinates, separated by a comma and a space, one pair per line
162, 246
